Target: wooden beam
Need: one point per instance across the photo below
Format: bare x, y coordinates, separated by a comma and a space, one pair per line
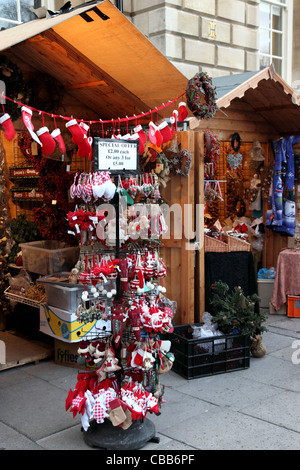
87, 85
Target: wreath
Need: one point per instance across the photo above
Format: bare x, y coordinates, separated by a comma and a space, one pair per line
198, 87
236, 142
15, 87
181, 163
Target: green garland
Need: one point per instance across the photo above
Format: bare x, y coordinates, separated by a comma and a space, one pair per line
199, 85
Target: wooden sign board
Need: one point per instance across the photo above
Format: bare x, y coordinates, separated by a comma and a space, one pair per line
118, 156
23, 172
26, 194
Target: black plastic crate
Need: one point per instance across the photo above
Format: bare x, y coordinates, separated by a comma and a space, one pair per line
199, 357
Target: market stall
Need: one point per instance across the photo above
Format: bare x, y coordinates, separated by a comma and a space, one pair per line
46, 68
251, 167
98, 279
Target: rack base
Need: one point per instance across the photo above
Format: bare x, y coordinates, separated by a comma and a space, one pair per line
108, 437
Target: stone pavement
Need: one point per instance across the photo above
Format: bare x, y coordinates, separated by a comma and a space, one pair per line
252, 409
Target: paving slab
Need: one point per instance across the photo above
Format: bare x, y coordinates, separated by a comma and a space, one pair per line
35, 408
13, 440
231, 390
223, 429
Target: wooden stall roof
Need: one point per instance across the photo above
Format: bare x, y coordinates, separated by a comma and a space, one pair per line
100, 57
268, 95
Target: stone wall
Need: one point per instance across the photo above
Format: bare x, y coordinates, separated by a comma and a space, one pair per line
216, 36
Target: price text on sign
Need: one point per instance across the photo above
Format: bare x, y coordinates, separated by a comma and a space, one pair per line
116, 155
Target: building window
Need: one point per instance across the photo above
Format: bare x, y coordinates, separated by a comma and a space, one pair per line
14, 12
273, 34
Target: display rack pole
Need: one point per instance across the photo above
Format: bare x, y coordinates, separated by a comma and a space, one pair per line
106, 436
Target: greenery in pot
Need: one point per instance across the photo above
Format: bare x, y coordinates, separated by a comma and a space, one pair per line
235, 313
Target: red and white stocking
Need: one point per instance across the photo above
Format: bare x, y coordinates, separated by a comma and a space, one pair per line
9, 130
76, 130
48, 143
56, 134
165, 132
26, 117
182, 111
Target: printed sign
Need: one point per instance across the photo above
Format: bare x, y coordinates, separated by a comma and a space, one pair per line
119, 156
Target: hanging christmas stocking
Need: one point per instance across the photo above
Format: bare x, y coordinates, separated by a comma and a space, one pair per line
56, 134
154, 134
9, 130
48, 143
76, 131
165, 132
142, 134
182, 111
85, 147
26, 117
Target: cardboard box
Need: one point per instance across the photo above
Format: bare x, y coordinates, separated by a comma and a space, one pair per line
63, 325
65, 354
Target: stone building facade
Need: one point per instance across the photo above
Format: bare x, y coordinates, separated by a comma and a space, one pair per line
219, 36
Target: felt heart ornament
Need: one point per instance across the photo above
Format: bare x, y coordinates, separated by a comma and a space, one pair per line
234, 160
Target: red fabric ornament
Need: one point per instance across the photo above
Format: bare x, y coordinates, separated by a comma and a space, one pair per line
134, 315
76, 131
26, 117
6, 123
154, 134
183, 112
48, 143
117, 323
142, 134
56, 134
165, 131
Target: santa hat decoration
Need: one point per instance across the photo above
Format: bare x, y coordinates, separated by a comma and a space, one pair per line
48, 143
6, 123
26, 117
76, 130
56, 134
165, 131
182, 111
154, 134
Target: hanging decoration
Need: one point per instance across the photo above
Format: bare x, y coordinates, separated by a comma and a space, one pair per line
201, 96
234, 160
211, 147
